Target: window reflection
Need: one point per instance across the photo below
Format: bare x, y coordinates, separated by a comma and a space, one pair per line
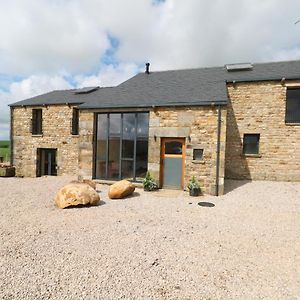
128, 126
125, 135
143, 124
128, 135
101, 146
114, 124
173, 147
141, 154
127, 169
114, 146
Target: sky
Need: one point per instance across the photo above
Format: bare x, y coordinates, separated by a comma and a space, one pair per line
62, 44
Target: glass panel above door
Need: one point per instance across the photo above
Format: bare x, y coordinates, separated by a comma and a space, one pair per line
173, 147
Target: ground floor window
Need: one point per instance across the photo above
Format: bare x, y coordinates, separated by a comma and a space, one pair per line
251, 144
122, 146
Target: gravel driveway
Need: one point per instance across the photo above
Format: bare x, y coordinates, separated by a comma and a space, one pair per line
151, 246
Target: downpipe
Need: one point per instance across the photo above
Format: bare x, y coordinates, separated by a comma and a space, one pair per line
218, 151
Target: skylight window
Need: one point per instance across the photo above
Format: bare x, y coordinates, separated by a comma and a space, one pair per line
239, 67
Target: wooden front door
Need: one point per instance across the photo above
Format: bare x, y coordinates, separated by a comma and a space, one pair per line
172, 163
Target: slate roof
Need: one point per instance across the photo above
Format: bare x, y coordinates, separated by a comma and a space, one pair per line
202, 86
56, 97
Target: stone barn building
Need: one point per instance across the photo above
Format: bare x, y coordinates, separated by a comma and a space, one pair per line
240, 121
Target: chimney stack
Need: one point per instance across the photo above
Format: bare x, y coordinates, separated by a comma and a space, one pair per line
147, 68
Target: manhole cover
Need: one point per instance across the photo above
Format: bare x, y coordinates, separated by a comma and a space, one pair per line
206, 204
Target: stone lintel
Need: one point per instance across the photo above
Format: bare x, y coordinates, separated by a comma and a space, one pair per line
169, 131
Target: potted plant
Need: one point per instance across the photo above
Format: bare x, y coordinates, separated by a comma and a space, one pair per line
149, 183
194, 187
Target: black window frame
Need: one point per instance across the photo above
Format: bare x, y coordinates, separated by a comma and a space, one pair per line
292, 117
245, 143
201, 150
75, 121
37, 121
137, 137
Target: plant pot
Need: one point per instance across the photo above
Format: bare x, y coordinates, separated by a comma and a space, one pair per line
146, 189
6, 171
195, 192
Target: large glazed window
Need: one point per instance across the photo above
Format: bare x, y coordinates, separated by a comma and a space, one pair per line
292, 105
122, 146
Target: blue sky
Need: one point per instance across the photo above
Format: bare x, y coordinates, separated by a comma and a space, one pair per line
51, 44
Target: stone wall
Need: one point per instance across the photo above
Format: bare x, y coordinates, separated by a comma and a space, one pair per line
198, 125
257, 107
260, 108
56, 134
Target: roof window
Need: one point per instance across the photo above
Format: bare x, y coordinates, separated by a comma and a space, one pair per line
239, 67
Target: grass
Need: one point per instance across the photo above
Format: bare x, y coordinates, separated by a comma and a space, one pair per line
5, 150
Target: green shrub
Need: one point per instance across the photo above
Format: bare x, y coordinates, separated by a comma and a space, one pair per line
193, 184
149, 183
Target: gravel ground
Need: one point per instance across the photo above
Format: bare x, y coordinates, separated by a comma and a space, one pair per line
159, 245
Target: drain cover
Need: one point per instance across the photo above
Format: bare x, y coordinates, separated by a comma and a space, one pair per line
206, 204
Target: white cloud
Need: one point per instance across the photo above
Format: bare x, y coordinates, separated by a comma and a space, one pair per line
47, 36
70, 37
108, 75
203, 33
29, 87
53, 36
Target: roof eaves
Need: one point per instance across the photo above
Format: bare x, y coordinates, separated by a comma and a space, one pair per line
275, 78
45, 104
169, 104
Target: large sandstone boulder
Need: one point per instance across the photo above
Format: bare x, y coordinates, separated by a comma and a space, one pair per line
120, 189
76, 193
91, 183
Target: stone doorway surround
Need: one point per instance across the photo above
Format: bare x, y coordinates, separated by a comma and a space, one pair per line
198, 125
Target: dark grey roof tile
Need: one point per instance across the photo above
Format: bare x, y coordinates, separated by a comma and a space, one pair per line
202, 86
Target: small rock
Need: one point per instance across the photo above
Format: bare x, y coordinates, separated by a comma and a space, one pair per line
155, 263
120, 189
